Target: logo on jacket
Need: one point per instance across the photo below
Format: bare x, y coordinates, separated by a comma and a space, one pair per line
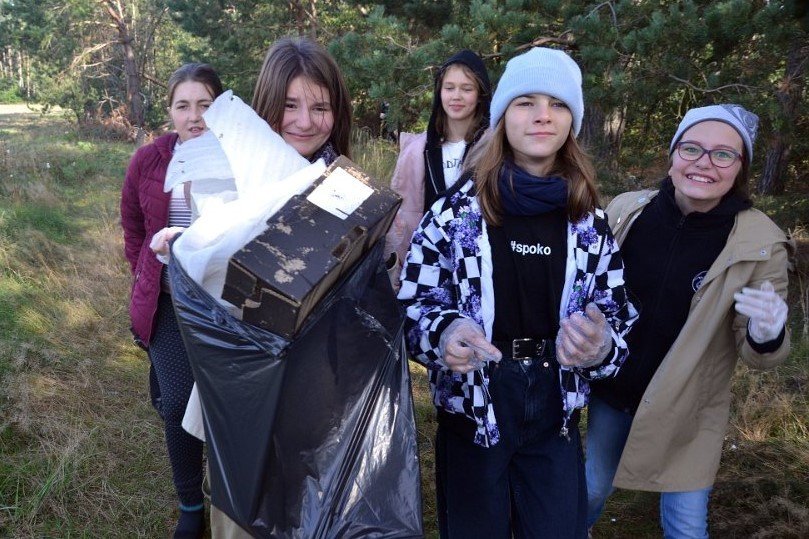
525, 249
696, 282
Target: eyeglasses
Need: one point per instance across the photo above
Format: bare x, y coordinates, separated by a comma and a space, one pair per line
720, 157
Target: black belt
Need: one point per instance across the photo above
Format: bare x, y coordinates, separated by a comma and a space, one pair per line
526, 348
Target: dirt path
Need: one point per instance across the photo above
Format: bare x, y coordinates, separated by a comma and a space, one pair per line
22, 108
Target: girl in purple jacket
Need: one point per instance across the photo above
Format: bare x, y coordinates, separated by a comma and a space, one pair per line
146, 209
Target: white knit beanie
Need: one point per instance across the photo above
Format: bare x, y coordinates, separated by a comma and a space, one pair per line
540, 71
739, 118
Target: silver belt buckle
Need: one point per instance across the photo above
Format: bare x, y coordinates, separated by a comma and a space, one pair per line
514, 346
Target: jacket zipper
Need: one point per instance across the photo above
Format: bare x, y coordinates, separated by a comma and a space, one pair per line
431, 175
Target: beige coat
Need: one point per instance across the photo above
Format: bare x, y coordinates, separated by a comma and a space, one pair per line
676, 438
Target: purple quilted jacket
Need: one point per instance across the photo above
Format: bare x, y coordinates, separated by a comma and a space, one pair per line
144, 211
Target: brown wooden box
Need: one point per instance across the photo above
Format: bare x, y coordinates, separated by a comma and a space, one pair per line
280, 276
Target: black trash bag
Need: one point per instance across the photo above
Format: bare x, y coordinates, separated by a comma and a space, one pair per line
315, 436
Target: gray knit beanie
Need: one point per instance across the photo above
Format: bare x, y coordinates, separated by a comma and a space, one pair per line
540, 71
739, 118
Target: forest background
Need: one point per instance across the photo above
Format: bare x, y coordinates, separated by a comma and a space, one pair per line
644, 62
81, 453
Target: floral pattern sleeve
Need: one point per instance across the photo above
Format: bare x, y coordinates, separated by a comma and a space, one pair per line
607, 289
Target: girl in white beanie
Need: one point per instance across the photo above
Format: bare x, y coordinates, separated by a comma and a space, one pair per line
710, 273
514, 293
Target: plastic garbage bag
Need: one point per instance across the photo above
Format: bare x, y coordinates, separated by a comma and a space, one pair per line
206, 246
238, 173
312, 437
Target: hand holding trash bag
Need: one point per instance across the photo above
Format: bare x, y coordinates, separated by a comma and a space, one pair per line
160, 242
464, 346
766, 309
584, 340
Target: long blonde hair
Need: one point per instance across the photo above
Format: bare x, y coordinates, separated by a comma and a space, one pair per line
572, 163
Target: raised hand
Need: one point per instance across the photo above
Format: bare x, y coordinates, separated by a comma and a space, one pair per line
766, 309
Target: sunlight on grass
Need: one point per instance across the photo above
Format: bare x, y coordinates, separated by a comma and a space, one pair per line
66, 369
79, 313
32, 321
13, 294
10, 287
44, 386
376, 156
128, 357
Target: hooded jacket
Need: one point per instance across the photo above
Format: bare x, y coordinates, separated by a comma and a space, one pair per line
419, 174
675, 442
144, 211
664, 270
434, 185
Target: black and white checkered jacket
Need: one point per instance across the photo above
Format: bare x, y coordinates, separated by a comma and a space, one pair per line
448, 274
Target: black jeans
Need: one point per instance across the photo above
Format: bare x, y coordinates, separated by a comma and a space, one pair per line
530, 484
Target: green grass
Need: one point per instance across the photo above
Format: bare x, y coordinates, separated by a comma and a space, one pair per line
81, 450
9, 92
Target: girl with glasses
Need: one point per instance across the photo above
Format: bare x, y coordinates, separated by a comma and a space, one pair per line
710, 276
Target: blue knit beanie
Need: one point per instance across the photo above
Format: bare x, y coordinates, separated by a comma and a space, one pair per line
739, 118
540, 71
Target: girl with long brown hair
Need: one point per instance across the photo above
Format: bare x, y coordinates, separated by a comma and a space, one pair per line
514, 292
429, 163
301, 93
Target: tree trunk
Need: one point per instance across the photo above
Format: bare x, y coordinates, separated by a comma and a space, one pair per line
592, 130
602, 133
773, 177
20, 81
313, 22
775, 161
28, 90
133, 97
305, 17
116, 10
27, 69
300, 17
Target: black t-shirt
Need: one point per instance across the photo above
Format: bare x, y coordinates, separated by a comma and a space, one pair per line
528, 267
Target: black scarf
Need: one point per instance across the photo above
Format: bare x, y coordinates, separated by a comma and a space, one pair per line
522, 193
326, 152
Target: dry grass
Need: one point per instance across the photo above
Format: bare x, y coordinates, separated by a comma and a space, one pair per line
800, 234
81, 451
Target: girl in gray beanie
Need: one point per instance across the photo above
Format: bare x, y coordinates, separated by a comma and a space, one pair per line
711, 273
514, 293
